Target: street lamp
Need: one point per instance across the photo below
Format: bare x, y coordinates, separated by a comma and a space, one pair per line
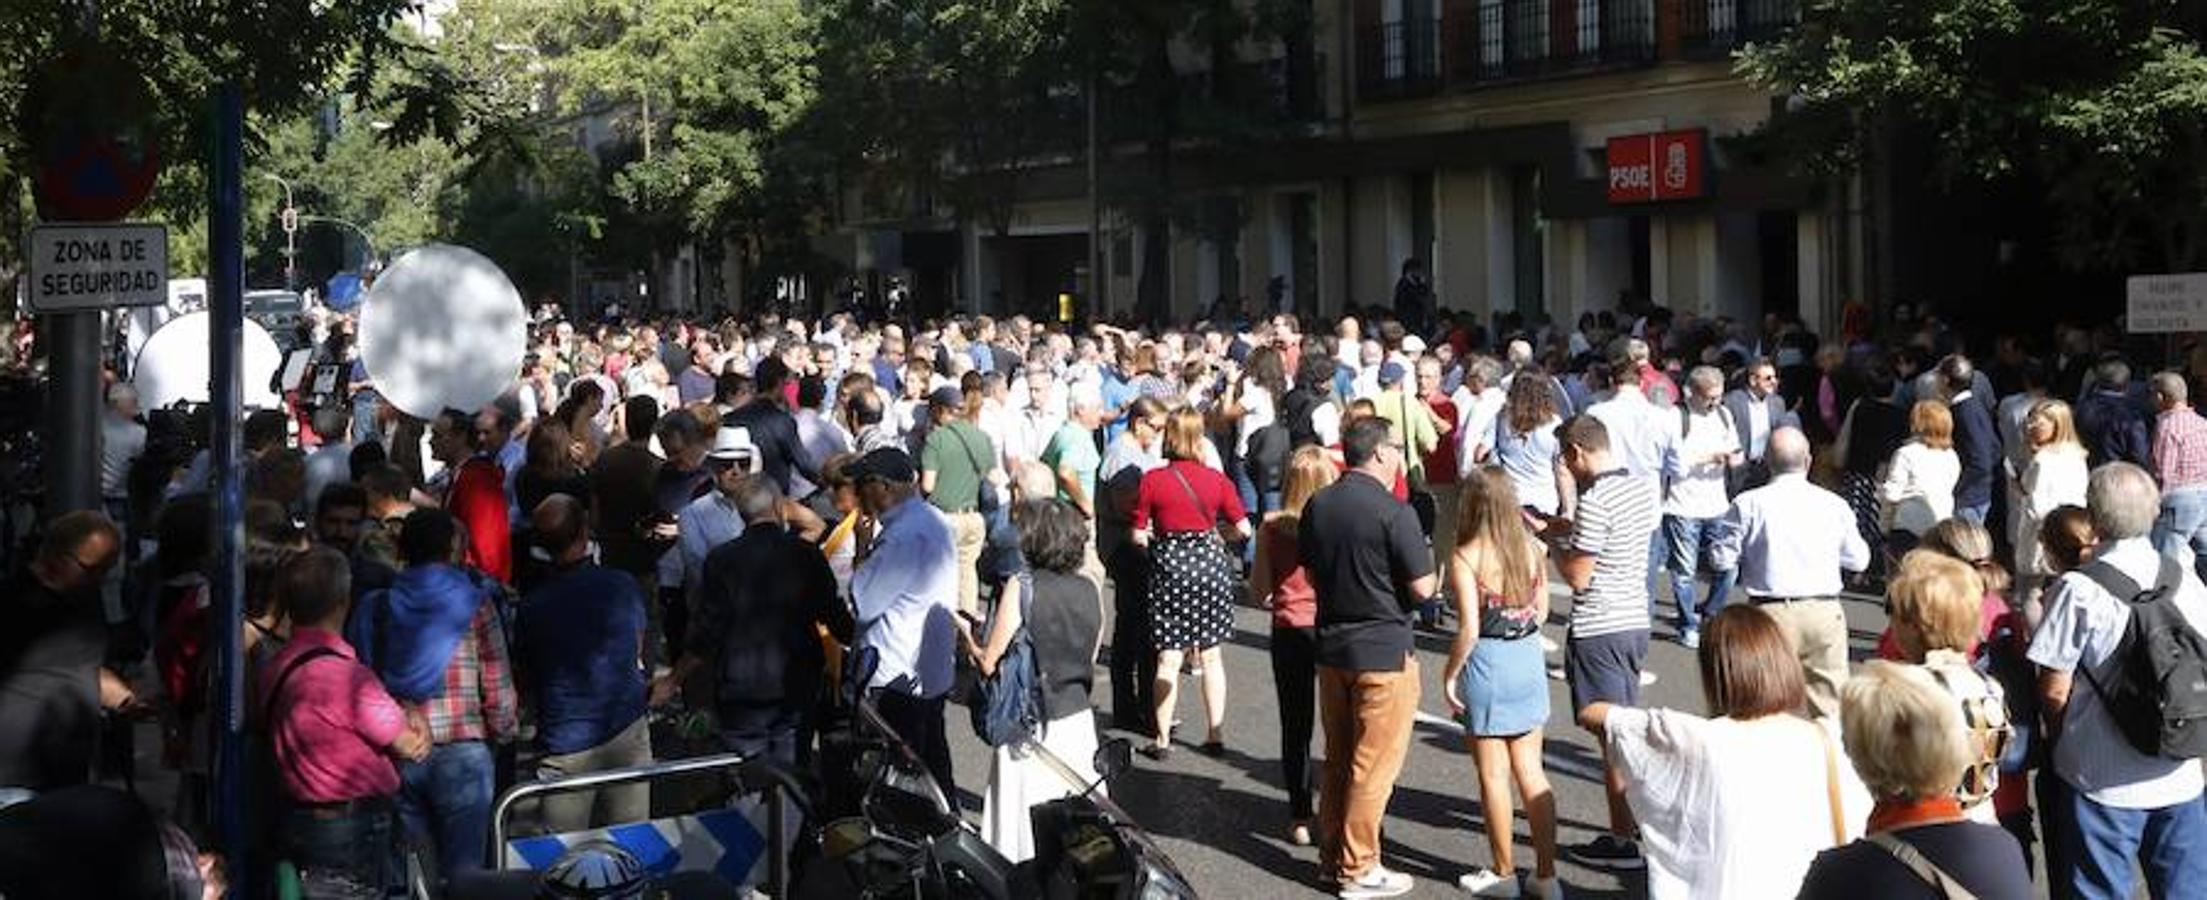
291, 233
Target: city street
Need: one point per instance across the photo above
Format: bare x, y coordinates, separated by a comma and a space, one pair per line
1225, 820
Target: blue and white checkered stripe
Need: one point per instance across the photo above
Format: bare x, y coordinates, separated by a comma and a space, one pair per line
730, 843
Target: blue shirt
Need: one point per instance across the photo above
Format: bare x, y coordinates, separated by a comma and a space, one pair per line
578, 639
1117, 393
906, 593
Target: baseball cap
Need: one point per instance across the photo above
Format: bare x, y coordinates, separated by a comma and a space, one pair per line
947, 396
1413, 344
1390, 372
884, 464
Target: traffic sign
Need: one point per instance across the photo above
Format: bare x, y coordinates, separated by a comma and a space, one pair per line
89, 121
2166, 304
290, 219
81, 268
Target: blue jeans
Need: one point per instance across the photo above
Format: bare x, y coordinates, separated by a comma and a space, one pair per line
1254, 502
1659, 554
2182, 528
1688, 540
2169, 843
445, 802
1975, 512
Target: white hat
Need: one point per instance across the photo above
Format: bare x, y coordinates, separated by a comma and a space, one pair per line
733, 442
1413, 345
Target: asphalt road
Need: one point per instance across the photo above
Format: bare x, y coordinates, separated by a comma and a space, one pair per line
1224, 820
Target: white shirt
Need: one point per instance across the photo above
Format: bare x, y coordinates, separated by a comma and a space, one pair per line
1031, 433
1918, 490
1257, 411
2008, 418
1730, 808
1640, 433
1790, 539
904, 595
2082, 627
821, 439
1475, 417
1695, 484
1325, 421
121, 440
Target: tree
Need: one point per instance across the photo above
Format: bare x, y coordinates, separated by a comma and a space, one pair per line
182, 47
2102, 104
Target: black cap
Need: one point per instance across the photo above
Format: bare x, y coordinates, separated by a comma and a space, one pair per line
885, 464
947, 397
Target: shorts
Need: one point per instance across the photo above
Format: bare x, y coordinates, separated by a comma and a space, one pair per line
1605, 669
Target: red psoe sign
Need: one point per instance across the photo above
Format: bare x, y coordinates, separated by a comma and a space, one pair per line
1666, 165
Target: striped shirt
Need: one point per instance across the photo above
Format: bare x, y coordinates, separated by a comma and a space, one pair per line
1616, 519
2180, 449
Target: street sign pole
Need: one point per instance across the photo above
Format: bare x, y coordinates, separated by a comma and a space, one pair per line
73, 412
226, 308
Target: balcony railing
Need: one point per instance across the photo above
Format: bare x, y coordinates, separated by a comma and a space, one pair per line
1707, 27
1399, 59
1484, 42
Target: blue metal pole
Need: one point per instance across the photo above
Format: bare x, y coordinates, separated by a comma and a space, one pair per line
226, 307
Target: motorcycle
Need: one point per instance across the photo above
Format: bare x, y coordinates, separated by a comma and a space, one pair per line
907, 841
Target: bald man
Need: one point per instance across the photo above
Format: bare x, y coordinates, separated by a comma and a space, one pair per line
1789, 540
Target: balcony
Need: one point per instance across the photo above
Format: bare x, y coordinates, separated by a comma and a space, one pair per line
1479, 43
1717, 27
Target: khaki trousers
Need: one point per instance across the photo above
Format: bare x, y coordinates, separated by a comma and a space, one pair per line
1818, 629
968, 532
1446, 498
1366, 717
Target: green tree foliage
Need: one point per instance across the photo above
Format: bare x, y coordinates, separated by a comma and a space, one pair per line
2102, 104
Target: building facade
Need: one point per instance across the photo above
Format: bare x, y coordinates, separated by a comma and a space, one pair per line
1543, 157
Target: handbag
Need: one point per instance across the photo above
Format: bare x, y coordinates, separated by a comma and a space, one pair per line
986, 500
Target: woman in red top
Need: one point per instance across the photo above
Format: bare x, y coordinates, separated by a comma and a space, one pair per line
1278, 581
1191, 593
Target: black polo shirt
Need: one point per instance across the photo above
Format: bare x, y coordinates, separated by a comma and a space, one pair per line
1361, 548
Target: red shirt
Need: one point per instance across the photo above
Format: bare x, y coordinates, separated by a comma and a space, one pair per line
478, 499
331, 724
1294, 601
1163, 499
1440, 465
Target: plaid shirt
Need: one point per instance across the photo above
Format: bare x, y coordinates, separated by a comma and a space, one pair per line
2180, 449
479, 703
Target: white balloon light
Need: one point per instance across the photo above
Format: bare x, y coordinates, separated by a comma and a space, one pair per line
174, 364
442, 328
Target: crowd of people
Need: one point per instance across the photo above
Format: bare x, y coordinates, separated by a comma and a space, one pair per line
701, 522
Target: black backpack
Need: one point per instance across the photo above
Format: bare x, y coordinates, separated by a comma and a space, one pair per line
2156, 686
1295, 415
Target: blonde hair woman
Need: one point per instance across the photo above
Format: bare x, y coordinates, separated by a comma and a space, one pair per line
1906, 742
1495, 681
1918, 488
2055, 478
1278, 582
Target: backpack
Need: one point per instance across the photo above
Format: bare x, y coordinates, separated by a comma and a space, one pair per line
1295, 413
1007, 706
2004, 662
2156, 686
1266, 458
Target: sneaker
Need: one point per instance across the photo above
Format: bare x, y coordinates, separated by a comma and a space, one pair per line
1646, 678
1488, 883
1612, 851
1376, 882
1549, 645
1690, 639
1545, 888
1555, 673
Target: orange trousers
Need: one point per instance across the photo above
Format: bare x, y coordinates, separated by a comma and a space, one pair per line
1366, 717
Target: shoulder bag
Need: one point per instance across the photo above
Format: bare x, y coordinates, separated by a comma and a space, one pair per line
987, 500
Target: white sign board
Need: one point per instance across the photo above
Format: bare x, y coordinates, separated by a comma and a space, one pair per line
2166, 304
87, 268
